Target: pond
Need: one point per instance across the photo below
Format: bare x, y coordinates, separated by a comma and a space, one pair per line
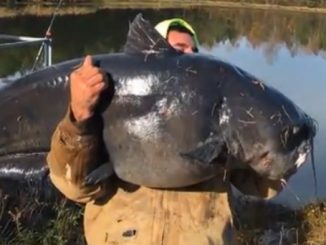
286, 50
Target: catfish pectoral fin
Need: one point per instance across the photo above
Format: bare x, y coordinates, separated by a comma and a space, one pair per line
207, 152
100, 174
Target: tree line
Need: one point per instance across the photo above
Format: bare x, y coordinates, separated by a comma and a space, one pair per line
13, 3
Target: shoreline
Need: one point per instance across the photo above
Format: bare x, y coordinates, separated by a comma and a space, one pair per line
39, 10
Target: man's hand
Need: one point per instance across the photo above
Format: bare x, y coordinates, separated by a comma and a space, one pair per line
86, 85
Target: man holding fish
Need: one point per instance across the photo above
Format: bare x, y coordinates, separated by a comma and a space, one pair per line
118, 212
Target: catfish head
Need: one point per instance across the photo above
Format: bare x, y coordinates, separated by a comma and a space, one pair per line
263, 129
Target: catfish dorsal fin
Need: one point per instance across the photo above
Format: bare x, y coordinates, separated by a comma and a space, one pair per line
143, 38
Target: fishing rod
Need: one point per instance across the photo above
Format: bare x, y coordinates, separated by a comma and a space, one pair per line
47, 34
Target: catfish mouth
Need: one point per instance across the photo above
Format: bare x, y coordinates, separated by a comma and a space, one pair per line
249, 183
278, 159
277, 166
256, 182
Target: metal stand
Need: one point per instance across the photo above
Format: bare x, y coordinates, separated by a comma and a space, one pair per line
17, 41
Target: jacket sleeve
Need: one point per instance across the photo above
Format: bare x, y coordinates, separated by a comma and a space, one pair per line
75, 152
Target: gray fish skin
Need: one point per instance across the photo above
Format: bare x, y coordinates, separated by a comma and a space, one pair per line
173, 121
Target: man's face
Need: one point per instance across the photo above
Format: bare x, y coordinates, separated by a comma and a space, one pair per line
181, 41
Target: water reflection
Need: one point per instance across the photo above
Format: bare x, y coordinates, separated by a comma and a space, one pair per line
76, 35
285, 49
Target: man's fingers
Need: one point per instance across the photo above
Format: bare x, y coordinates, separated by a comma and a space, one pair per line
94, 91
86, 67
88, 61
98, 88
88, 72
89, 78
94, 80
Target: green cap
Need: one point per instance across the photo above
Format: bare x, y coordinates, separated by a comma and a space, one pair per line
164, 26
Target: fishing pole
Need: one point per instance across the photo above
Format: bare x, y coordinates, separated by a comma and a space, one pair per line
47, 33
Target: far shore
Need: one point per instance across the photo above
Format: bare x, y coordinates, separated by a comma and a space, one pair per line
40, 10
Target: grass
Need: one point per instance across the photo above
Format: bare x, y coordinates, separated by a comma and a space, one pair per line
35, 213
64, 227
306, 226
28, 218
57, 221
313, 224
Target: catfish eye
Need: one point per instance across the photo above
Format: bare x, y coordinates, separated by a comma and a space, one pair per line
293, 136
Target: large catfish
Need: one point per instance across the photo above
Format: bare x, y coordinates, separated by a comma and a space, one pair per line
174, 119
